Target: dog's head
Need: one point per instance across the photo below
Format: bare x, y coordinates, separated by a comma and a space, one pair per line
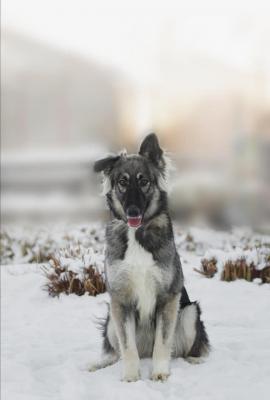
135, 184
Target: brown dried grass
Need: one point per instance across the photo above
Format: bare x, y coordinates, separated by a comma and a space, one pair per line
62, 280
232, 270
239, 269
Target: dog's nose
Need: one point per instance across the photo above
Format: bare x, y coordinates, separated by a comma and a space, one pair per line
133, 211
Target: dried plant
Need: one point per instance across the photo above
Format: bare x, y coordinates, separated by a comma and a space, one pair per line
209, 267
265, 274
62, 279
240, 268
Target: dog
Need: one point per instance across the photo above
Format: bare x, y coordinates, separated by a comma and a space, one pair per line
150, 313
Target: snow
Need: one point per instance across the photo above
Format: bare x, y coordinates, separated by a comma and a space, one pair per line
48, 343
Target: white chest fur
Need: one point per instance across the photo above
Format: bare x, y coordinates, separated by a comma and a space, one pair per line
139, 273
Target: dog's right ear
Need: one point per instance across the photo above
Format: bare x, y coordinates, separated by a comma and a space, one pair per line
105, 165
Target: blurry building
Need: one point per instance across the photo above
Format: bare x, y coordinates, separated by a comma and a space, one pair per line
59, 113
51, 98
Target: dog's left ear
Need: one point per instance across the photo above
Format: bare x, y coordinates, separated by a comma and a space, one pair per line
151, 150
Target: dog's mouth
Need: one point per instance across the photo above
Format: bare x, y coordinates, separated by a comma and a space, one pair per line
134, 222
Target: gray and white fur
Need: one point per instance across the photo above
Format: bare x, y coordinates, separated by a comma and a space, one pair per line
150, 313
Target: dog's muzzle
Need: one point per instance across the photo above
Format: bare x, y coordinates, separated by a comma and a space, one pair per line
134, 217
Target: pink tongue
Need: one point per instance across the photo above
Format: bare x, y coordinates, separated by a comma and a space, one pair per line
134, 221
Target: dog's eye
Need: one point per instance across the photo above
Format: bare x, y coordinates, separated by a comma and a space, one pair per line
144, 182
123, 182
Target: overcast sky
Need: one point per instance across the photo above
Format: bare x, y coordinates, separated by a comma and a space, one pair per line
130, 35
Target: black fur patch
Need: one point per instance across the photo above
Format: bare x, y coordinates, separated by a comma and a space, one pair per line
106, 164
107, 347
201, 344
184, 299
116, 238
151, 150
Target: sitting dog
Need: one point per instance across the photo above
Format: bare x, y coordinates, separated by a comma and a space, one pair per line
150, 314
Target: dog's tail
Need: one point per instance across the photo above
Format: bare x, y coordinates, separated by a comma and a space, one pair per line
192, 340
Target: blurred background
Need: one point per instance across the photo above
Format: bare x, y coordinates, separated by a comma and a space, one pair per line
84, 78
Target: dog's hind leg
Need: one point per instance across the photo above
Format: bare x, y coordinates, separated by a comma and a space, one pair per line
191, 340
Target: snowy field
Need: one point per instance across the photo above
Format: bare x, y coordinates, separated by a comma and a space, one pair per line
48, 343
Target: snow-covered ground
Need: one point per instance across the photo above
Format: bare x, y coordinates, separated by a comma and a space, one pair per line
48, 343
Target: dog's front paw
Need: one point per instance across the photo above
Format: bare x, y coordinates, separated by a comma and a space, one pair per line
131, 377
131, 370
161, 370
160, 376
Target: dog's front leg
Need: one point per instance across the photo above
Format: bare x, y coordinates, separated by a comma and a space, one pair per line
165, 331
124, 322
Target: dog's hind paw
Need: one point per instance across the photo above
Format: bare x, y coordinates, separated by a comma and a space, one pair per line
110, 360
195, 360
93, 367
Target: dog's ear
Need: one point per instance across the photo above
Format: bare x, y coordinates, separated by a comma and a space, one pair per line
106, 164
151, 150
